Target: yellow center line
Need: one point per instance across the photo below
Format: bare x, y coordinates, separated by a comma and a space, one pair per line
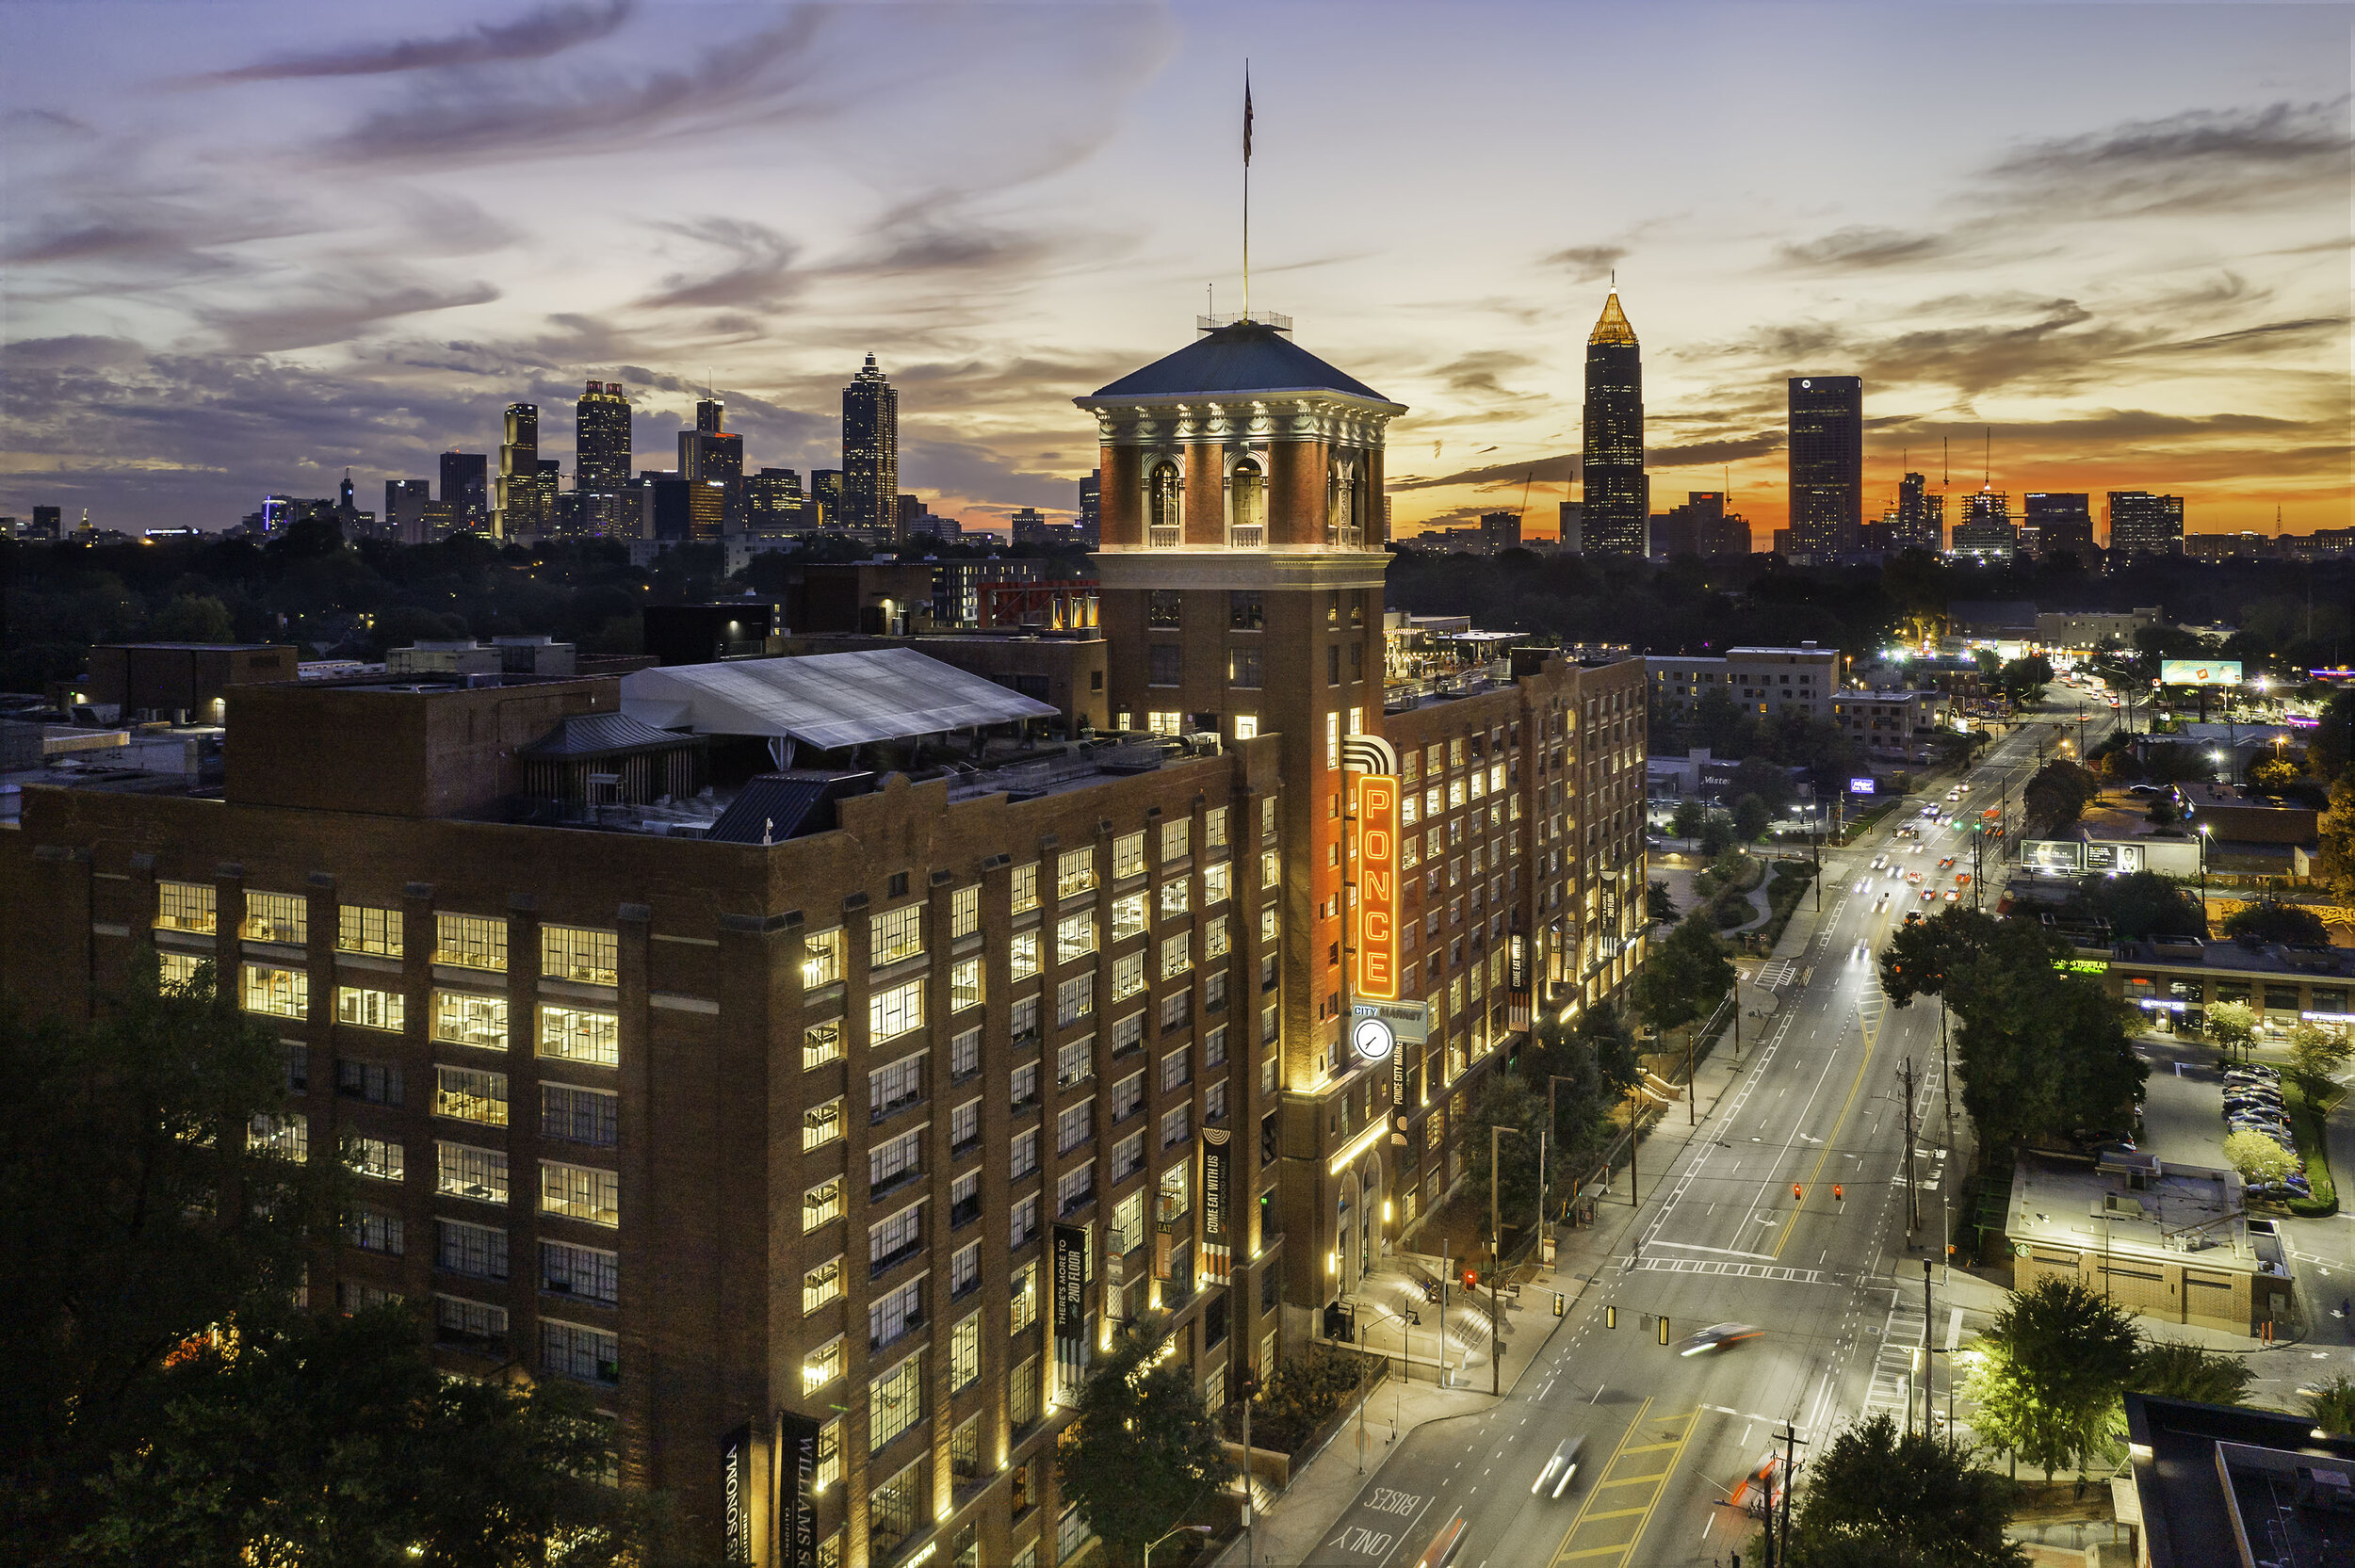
1641, 1515
1636, 1480
1832, 1141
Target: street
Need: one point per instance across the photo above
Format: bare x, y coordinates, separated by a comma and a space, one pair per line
1744, 1226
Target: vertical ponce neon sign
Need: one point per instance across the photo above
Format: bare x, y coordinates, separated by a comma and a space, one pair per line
1374, 926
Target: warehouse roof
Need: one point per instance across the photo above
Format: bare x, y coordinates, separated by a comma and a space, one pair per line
824, 700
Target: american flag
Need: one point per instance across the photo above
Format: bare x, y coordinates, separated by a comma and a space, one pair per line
1246, 116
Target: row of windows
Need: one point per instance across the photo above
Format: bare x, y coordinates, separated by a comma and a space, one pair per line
468, 941
590, 1035
590, 1274
584, 1192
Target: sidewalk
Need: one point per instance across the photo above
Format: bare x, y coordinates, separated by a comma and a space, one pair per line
1322, 1490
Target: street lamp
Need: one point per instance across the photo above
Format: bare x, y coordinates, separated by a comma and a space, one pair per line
2204, 830
1182, 1530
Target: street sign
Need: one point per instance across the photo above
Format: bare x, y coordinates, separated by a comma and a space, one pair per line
1409, 1021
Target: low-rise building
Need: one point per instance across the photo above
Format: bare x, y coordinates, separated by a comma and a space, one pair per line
2174, 979
1766, 681
2161, 1241
2232, 1485
1898, 724
180, 682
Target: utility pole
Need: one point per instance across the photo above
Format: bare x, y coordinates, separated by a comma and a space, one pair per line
1790, 1477
1929, 1407
1496, 1266
1250, 1531
1913, 1207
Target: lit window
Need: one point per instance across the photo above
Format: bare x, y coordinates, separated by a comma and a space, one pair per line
822, 957
276, 918
578, 953
1216, 878
824, 1365
1022, 954
1164, 723
965, 912
365, 929
287, 1136
894, 1012
896, 934
1128, 856
463, 1171
965, 984
1128, 975
822, 1203
821, 1124
1026, 887
178, 970
1177, 954
379, 1158
1075, 999
1075, 872
580, 1034
465, 1018
1128, 917
185, 907
821, 1284
1175, 898
580, 1192
369, 1009
280, 992
822, 1043
1247, 726
470, 941
470, 1095
895, 1401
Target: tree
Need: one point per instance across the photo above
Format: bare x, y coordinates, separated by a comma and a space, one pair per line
1581, 1100
2176, 1371
2336, 833
1142, 1455
2232, 1025
1881, 1496
2316, 1055
1683, 977
1601, 1030
1506, 1101
1690, 816
193, 618
2269, 920
2272, 775
2058, 794
2023, 680
2332, 1405
2051, 1367
335, 1440
1717, 836
1751, 818
1766, 778
2163, 813
2142, 903
2257, 1157
1659, 907
2333, 738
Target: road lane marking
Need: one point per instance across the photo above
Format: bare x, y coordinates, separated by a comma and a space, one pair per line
1697, 1247
1612, 1524
1838, 1121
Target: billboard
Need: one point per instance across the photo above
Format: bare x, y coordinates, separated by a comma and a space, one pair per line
2049, 854
2199, 672
1374, 919
1859, 786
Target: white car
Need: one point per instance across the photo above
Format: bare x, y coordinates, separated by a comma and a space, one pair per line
1863, 883
1563, 1464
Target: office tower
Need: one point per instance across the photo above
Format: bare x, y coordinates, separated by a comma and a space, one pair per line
774, 503
2063, 522
48, 523
1617, 495
1569, 528
516, 505
1826, 463
1701, 526
405, 501
1985, 529
1030, 527
709, 454
2142, 524
550, 475
1919, 521
1500, 531
870, 454
1092, 508
601, 439
465, 488
825, 487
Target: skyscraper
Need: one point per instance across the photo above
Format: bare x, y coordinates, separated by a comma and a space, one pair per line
518, 499
2063, 522
465, 489
1092, 508
870, 455
2142, 524
1618, 497
708, 454
405, 501
601, 439
1985, 529
825, 487
1826, 463
1919, 521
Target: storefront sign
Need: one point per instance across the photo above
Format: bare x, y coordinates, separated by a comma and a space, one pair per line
735, 1494
1374, 852
1217, 1149
797, 1507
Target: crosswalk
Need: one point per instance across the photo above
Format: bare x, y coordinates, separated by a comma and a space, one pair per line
1776, 974
1731, 1268
1895, 1370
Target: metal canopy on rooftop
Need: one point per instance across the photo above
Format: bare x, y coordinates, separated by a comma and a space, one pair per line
825, 699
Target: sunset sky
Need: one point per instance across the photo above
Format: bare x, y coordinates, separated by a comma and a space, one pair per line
250, 245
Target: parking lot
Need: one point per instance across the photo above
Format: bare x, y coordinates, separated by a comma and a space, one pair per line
2183, 1115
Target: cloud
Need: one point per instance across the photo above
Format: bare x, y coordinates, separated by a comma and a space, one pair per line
332, 313
2200, 160
1587, 264
2267, 337
458, 117
1552, 469
1478, 373
1859, 249
534, 36
1711, 454
758, 273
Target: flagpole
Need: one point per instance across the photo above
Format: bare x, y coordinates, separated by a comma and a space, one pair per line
1246, 189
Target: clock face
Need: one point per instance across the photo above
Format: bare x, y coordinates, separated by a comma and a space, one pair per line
1372, 1038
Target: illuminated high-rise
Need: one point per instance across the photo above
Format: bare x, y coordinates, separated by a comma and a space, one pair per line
2063, 522
2142, 524
517, 503
1920, 520
1617, 495
710, 455
601, 439
870, 455
1826, 463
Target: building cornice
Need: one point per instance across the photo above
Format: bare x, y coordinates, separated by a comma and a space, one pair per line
1338, 419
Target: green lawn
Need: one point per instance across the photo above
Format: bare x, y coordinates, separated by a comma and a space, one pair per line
2306, 1119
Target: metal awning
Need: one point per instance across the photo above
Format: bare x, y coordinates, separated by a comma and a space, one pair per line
825, 699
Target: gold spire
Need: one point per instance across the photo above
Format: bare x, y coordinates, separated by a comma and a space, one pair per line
1613, 328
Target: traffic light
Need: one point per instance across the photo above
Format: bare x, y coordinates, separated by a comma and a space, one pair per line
1610, 1317
1837, 1195
1664, 1327
1471, 1279
1798, 1194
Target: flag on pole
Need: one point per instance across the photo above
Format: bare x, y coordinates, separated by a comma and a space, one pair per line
1246, 116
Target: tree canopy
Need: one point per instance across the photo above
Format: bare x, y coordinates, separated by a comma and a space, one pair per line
2039, 1052
2051, 1369
2140, 904
1879, 1495
1142, 1456
2270, 920
1684, 975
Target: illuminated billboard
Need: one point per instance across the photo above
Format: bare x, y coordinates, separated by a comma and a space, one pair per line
1859, 786
2049, 854
2199, 672
1373, 849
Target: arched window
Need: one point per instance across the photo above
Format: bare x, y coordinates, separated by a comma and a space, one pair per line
1165, 520
1249, 530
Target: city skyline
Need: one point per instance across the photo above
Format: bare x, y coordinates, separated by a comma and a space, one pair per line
252, 253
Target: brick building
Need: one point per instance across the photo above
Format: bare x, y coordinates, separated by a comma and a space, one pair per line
598, 1061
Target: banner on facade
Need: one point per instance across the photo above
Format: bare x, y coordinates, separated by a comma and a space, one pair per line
797, 1491
1373, 857
1217, 1220
735, 1494
1071, 1281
